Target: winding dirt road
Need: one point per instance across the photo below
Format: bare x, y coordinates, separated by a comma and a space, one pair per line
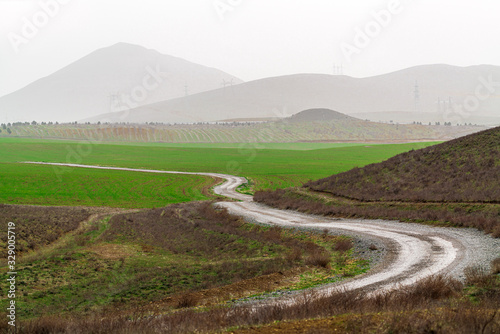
412, 251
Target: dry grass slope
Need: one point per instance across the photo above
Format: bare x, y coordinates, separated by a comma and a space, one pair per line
38, 226
462, 170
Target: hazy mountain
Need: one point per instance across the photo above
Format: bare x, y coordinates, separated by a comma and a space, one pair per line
118, 77
287, 95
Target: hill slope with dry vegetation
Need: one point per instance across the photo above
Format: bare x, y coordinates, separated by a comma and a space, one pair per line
466, 169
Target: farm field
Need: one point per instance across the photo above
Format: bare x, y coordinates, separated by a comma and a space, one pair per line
270, 167
303, 127
48, 185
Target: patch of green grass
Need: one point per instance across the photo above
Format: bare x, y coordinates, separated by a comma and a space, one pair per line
260, 146
50, 185
336, 273
266, 165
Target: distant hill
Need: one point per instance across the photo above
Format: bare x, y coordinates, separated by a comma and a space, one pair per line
466, 169
287, 95
119, 77
319, 115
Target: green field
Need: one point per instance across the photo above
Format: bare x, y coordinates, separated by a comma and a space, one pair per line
39, 185
267, 166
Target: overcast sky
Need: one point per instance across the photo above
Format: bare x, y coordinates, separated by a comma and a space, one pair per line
251, 39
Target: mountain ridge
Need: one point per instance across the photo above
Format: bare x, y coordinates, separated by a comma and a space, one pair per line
118, 77
286, 95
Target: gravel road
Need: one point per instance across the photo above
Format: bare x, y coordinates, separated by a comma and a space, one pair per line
411, 251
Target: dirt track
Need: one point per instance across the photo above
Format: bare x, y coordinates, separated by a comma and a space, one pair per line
413, 251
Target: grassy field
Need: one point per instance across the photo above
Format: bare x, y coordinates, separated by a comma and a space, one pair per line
267, 166
178, 256
49, 185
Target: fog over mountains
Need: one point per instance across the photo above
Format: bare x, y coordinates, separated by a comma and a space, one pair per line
115, 78
445, 93
128, 83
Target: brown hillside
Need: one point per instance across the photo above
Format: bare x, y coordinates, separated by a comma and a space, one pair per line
466, 169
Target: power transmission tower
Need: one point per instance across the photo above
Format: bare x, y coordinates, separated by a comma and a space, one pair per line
338, 69
115, 101
416, 94
438, 104
227, 83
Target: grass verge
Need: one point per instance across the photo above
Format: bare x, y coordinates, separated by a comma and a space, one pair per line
483, 216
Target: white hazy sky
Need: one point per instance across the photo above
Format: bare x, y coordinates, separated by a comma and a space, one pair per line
250, 39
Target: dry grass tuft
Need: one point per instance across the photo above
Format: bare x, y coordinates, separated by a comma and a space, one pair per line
343, 245
295, 255
319, 259
495, 266
187, 300
478, 276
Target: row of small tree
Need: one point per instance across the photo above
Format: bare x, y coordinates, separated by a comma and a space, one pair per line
445, 123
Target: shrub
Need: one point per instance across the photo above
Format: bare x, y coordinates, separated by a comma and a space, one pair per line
495, 266
478, 276
343, 245
318, 259
187, 300
433, 288
294, 255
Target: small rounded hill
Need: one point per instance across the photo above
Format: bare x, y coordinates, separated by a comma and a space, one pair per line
319, 115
